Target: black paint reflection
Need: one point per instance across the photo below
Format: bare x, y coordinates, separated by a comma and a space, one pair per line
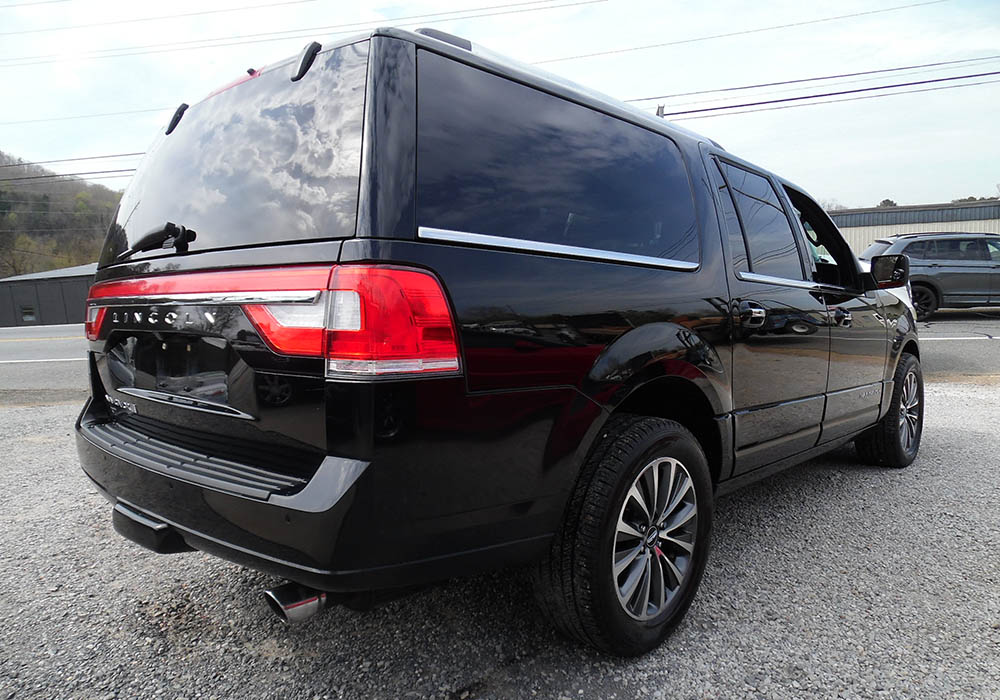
269, 160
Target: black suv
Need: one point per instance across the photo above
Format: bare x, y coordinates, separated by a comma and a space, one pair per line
399, 310
958, 270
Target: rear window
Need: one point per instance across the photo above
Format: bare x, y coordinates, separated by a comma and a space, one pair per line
266, 161
876, 248
498, 158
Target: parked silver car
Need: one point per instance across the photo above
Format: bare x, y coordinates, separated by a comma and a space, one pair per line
958, 270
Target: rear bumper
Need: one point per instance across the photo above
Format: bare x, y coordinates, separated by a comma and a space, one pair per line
322, 536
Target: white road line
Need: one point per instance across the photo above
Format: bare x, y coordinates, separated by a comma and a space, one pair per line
54, 359
971, 337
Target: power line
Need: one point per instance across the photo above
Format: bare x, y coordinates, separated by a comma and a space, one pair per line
70, 160
846, 99
831, 94
742, 32
55, 175
69, 179
816, 78
154, 19
84, 116
28, 4
293, 33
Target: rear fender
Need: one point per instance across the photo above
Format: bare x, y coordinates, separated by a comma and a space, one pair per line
654, 351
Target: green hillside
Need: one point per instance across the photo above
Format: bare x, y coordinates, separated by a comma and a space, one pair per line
46, 224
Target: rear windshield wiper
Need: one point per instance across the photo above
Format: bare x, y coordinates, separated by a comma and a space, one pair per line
168, 236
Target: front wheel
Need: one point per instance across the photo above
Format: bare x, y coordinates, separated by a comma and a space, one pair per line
895, 440
627, 562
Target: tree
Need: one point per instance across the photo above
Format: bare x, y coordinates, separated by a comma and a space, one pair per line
831, 205
972, 198
887, 203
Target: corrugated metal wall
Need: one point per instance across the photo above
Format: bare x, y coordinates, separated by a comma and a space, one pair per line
43, 301
860, 237
862, 226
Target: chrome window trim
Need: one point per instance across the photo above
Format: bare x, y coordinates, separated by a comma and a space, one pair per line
781, 281
487, 241
217, 298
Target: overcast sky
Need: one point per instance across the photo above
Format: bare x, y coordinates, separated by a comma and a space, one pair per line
913, 148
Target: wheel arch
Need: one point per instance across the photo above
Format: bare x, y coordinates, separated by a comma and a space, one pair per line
680, 399
933, 286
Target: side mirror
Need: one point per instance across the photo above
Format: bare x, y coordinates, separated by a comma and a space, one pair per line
890, 271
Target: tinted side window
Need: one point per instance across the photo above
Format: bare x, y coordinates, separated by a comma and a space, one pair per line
772, 244
994, 248
737, 244
916, 250
956, 249
495, 157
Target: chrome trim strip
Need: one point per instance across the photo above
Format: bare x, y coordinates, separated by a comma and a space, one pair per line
215, 298
780, 281
483, 240
185, 402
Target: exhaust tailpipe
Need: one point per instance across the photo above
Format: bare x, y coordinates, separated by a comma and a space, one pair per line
293, 602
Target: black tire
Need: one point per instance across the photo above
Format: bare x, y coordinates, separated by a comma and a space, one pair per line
925, 301
575, 585
887, 444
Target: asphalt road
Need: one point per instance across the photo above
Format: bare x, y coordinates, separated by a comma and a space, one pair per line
830, 579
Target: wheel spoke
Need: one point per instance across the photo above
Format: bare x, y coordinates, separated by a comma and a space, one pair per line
681, 518
686, 546
677, 574
627, 559
647, 575
661, 583
634, 494
627, 529
633, 579
681, 491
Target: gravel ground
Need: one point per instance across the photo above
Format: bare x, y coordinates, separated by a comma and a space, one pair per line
831, 580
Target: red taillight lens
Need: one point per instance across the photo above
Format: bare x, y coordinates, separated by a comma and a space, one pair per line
385, 321
95, 317
365, 320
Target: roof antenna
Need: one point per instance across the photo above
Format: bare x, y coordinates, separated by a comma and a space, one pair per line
660, 110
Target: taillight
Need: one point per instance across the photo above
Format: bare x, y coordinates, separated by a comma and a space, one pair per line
387, 320
365, 320
95, 317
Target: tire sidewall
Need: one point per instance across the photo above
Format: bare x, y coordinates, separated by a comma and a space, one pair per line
908, 364
629, 635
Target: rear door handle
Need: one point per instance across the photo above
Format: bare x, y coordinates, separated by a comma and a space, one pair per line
752, 314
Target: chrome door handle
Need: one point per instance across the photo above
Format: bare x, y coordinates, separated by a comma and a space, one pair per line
752, 314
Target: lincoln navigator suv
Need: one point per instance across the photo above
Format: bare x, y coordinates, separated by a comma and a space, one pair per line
398, 310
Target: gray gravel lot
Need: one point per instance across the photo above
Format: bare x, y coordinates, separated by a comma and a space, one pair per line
829, 580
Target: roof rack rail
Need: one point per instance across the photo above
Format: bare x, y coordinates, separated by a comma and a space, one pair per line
446, 38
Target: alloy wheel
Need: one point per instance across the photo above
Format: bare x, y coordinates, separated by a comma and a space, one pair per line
654, 539
909, 412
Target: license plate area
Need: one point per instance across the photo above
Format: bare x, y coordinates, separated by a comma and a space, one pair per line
186, 366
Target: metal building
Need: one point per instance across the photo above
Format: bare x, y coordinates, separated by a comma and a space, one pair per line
862, 226
46, 298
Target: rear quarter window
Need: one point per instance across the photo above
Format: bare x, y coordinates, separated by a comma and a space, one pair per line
495, 157
876, 248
